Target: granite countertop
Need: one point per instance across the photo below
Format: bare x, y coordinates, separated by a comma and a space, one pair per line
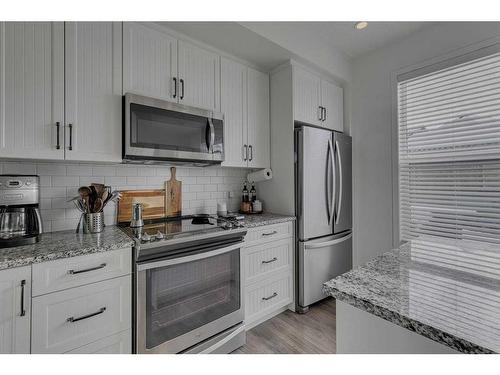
446, 292
257, 220
64, 244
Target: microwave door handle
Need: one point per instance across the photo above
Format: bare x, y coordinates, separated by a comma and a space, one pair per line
339, 207
211, 136
332, 195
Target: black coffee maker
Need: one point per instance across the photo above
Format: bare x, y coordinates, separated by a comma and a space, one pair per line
20, 221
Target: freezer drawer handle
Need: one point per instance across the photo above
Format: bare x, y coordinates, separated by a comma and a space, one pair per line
269, 261
73, 272
270, 233
270, 297
73, 320
328, 243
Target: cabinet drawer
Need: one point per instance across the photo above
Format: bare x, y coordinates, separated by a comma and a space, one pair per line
71, 272
67, 320
262, 259
269, 233
121, 343
271, 294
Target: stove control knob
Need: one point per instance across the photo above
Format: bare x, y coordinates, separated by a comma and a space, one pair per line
146, 237
159, 235
229, 225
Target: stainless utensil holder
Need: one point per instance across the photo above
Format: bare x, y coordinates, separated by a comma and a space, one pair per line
93, 222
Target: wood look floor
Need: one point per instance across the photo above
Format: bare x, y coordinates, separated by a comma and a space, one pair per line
291, 333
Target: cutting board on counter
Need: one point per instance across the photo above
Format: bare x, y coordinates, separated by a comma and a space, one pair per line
153, 202
173, 195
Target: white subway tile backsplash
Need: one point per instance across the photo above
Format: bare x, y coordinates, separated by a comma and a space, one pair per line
202, 188
79, 170
65, 181
19, 168
103, 171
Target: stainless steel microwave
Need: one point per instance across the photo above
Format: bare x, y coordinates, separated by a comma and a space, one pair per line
157, 130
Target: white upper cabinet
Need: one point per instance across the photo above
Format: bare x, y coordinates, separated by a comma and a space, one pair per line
32, 90
233, 106
199, 80
306, 96
149, 62
93, 100
15, 310
258, 119
332, 98
317, 101
245, 105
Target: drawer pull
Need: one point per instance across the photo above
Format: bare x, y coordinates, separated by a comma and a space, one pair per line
270, 297
73, 272
270, 233
23, 309
269, 261
73, 320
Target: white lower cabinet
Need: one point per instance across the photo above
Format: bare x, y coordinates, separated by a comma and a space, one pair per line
268, 271
121, 343
15, 310
67, 320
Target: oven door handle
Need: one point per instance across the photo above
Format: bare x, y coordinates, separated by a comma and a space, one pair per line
188, 258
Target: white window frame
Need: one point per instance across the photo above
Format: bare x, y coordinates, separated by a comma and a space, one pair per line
455, 57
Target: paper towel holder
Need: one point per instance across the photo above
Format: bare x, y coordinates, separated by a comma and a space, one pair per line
261, 175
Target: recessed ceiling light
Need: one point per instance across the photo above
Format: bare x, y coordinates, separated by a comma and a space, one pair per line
360, 25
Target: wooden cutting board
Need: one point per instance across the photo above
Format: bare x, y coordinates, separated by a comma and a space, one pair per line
173, 195
153, 204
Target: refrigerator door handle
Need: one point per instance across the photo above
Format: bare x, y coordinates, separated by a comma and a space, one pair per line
332, 195
337, 218
328, 243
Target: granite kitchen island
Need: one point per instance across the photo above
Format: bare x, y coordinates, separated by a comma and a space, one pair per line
429, 296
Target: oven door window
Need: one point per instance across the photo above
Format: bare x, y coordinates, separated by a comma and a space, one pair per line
161, 129
186, 296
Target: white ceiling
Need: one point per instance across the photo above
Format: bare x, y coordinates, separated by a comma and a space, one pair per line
244, 41
354, 43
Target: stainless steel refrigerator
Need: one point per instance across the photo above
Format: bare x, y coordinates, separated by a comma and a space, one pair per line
323, 183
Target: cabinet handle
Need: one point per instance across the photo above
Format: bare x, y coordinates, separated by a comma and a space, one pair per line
175, 87
58, 144
270, 233
245, 152
270, 297
320, 113
23, 286
182, 89
269, 261
251, 152
73, 320
324, 116
73, 272
70, 147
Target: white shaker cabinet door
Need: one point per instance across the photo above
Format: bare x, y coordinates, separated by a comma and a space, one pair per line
306, 96
199, 77
15, 310
258, 119
149, 62
31, 90
332, 97
233, 106
93, 91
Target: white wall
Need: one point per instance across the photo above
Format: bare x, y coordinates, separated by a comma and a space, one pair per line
202, 188
371, 126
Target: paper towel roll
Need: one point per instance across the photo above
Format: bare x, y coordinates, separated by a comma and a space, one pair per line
262, 175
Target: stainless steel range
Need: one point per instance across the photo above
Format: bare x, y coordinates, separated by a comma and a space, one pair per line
188, 289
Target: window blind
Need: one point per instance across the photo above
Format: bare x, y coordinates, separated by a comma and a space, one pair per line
449, 152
